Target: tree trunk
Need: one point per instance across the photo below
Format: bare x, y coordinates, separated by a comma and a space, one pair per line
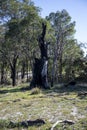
13, 71
55, 58
2, 73
60, 69
53, 72
13, 76
27, 70
40, 65
23, 70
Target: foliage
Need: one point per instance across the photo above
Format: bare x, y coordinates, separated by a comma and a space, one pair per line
20, 28
63, 33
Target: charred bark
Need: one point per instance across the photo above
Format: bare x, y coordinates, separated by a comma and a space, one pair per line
40, 65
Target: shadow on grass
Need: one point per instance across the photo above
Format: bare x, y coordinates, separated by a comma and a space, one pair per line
59, 88
12, 90
25, 124
62, 89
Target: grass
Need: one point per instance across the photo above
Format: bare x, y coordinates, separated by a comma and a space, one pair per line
80, 125
19, 104
35, 91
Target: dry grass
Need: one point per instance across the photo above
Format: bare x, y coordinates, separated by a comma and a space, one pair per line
19, 104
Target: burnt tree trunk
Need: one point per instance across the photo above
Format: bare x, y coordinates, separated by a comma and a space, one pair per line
40, 65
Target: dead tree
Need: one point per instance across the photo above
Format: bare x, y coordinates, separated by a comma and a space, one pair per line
40, 65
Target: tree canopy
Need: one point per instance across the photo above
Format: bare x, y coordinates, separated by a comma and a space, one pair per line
20, 28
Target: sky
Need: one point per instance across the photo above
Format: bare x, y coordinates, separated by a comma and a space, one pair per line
77, 9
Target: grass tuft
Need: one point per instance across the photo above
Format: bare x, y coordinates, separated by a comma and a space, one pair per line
35, 91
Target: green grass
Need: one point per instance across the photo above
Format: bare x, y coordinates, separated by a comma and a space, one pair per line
18, 104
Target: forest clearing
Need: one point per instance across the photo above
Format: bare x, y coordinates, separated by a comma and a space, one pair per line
43, 66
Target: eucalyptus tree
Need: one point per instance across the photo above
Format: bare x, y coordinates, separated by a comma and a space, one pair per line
2, 58
19, 16
72, 62
64, 29
50, 38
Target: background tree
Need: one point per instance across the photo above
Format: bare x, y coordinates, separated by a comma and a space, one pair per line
3, 61
71, 59
64, 30
19, 15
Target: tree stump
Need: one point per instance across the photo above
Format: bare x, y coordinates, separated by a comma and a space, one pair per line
40, 65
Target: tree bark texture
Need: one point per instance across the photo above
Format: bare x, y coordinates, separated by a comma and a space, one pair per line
40, 65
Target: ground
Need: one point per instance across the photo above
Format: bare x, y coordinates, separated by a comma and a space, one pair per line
19, 105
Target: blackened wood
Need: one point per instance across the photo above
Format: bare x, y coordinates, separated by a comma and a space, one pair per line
40, 65
42, 43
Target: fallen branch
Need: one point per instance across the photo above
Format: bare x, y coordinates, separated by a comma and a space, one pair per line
82, 94
69, 122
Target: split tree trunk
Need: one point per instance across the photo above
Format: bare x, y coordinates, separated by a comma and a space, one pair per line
40, 65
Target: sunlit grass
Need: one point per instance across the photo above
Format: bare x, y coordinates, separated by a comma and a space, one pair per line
19, 104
